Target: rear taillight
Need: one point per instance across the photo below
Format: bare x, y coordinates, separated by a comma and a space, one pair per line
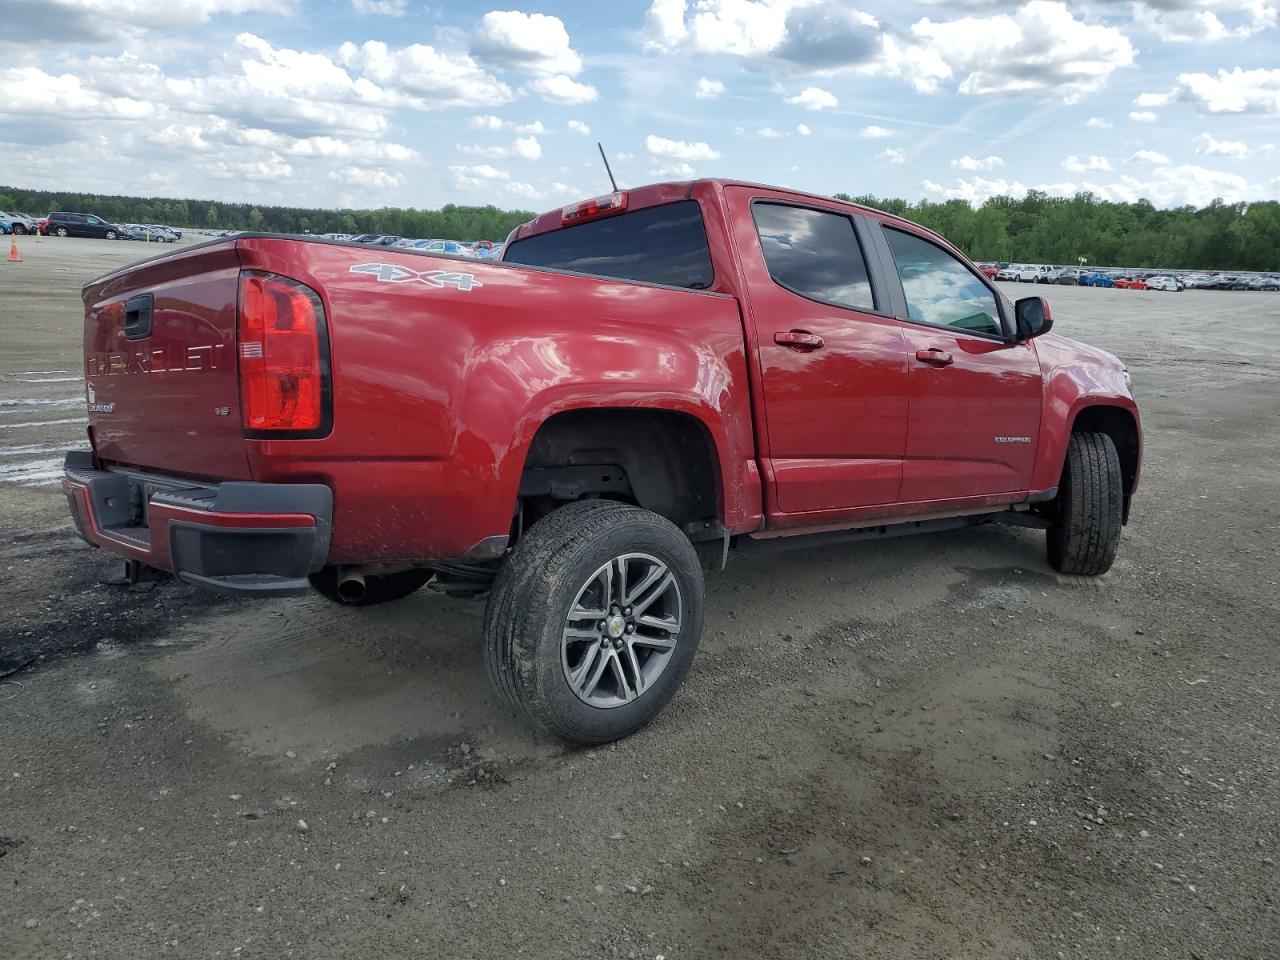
283, 357
593, 209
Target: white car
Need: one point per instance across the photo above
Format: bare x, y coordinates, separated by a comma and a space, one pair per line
1033, 272
1163, 283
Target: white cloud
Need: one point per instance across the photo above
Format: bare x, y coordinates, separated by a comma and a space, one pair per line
274, 167
564, 90
422, 77
1149, 156
969, 163
577, 126
1200, 21
1236, 149
494, 124
1098, 123
367, 178
679, 149
1039, 48
892, 155
527, 148
29, 91
975, 190
814, 98
529, 42
1231, 91
44, 22
874, 133
1142, 116
1153, 99
741, 27
1092, 162
385, 8
708, 89
679, 171
1168, 186
489, 180
769, 133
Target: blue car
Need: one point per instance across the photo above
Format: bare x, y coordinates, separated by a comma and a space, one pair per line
5, 227
1096, 280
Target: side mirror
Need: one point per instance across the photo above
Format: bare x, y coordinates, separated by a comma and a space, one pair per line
1034, 317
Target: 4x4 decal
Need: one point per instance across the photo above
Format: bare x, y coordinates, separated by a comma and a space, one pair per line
394, 273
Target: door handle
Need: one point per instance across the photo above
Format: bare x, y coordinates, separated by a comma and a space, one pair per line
934, 357
798, 339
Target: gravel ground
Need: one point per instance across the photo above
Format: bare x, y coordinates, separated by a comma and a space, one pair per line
919, 748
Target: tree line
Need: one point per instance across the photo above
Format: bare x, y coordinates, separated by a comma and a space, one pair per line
450, 221
1036, 228
1039, 228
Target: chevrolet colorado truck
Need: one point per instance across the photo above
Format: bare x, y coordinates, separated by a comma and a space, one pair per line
643, 383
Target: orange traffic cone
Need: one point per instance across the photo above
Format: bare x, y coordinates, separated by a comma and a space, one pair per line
14, 256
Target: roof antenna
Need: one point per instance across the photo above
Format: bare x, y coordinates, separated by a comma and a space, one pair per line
607, 170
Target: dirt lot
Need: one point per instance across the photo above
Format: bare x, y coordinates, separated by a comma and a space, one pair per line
928, 747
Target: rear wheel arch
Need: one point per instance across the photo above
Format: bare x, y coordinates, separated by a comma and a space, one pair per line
668, 460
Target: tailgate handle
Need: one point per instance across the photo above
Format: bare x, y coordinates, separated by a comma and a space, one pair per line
137, 316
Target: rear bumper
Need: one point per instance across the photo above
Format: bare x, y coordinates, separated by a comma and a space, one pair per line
257, 539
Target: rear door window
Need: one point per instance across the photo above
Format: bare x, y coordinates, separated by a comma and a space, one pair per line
665, 244
814, 253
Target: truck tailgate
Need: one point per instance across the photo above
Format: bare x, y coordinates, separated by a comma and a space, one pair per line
160, 365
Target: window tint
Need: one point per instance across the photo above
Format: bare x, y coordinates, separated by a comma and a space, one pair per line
814, 253
666, 244
940, 289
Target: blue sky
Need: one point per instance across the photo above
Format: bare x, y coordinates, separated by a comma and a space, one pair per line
362, 103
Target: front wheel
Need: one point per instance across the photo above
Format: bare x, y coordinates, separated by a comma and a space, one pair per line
594, 620
111, 234
1085, 530
61, 231
19, 230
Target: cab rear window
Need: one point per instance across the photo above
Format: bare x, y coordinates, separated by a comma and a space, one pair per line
665, 244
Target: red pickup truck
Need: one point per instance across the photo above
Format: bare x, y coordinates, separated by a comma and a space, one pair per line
643, 383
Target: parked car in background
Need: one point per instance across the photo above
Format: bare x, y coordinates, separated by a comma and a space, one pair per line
1264, 283
1068, 276
1223, 282
440, 246
1008, 272
1095, 279
5, 228
989, 270
1164, 283
19, 223
60, 224
1044, 272
1129, 283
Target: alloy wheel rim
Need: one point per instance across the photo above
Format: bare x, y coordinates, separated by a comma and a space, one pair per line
621, 631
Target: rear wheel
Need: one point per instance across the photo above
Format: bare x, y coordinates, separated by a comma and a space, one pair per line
111, 234
594, 620
19, 229
381, 588
61, 231
1085, 531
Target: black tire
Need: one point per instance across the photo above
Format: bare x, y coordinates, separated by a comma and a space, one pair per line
61, 231
1085, 531
538, 584
19, 230
111, 235
382, 588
